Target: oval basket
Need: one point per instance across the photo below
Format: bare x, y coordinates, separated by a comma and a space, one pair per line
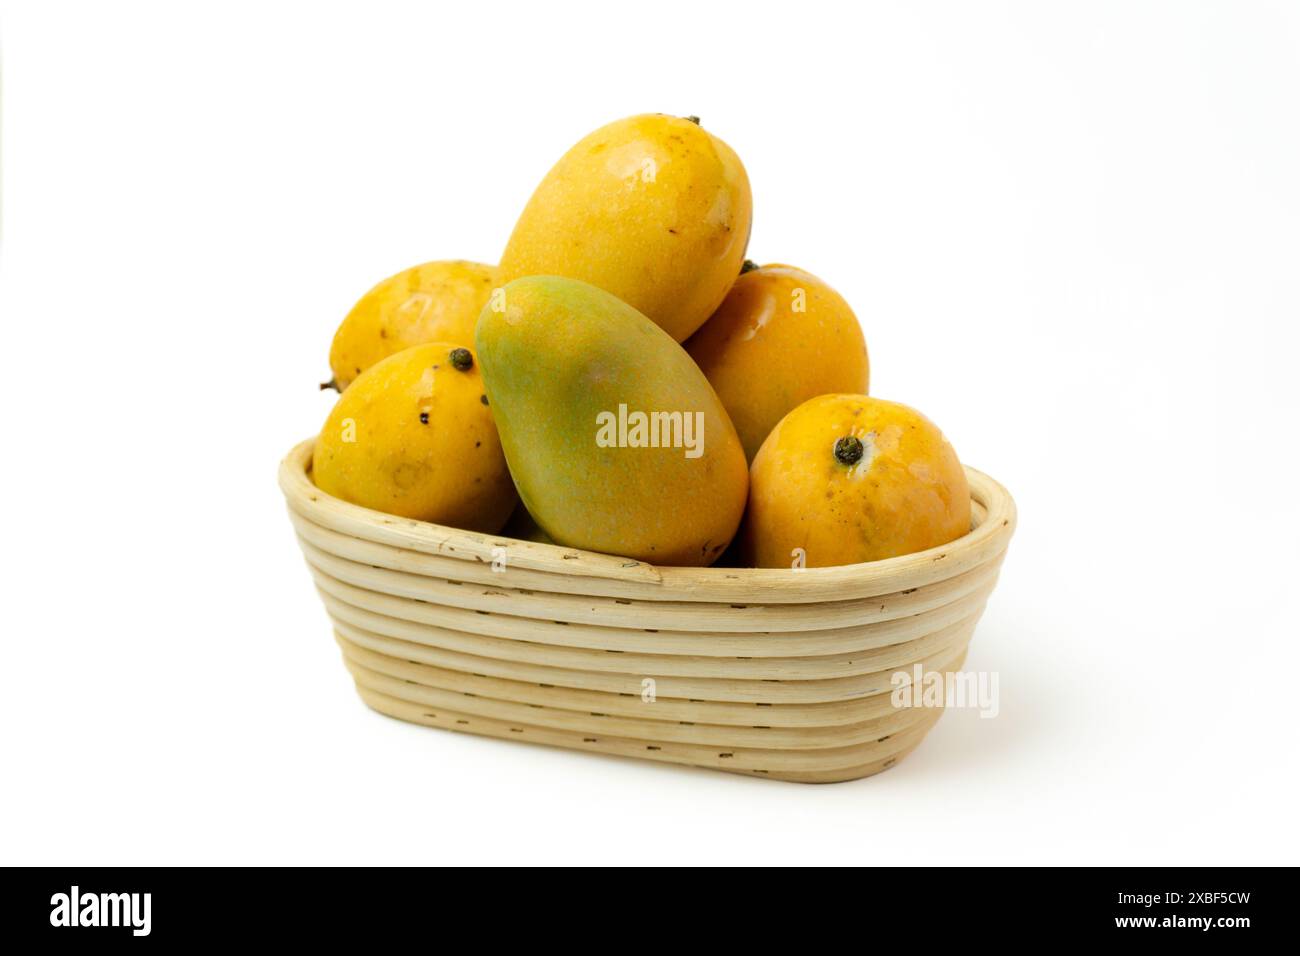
777, 673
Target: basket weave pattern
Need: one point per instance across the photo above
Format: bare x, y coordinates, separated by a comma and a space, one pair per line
779, 673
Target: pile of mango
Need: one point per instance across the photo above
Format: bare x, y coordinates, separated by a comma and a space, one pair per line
626, 381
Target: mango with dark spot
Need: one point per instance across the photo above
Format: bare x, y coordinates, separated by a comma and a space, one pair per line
410, 437
847, 478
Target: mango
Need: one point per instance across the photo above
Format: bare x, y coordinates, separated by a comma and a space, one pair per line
780, 337
433, 302
413, 436
652, 209
614, 437
847, 478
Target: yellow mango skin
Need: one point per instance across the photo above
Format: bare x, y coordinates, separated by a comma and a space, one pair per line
434, 302
561, 353
781, 337
908, 491
652, 209
449, 469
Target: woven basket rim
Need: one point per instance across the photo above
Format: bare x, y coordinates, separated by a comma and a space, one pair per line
988, 538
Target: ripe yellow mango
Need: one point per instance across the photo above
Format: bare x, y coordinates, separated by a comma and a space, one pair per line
781, 337
433, 302
413, 436
847, 478
614, 437
652, 209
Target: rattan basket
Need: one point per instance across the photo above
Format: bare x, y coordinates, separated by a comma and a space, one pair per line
779, 673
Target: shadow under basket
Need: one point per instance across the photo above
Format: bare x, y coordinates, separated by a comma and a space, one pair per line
772, 672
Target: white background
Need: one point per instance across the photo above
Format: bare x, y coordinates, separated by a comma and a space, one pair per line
1072, 234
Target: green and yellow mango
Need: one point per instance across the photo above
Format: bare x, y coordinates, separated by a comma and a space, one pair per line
615, 439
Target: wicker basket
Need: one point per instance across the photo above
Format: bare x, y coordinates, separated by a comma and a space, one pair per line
779, 673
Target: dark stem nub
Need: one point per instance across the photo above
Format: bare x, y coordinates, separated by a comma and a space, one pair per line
332, 383
693, 119
461, 359
848, 450
749, 265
